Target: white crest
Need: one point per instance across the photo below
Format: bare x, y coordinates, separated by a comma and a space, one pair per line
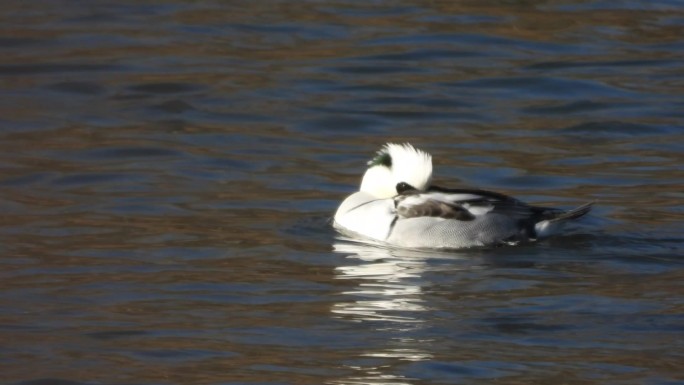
393, 164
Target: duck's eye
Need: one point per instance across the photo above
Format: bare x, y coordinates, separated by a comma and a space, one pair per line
402, 187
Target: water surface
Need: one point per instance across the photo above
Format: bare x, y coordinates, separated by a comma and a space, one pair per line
168, 171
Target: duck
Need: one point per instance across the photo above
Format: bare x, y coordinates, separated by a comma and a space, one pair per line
398, 205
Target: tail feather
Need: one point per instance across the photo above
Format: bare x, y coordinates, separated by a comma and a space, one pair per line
575, 213
555, 222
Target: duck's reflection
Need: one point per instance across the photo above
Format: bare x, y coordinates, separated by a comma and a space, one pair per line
390, 297
390, 283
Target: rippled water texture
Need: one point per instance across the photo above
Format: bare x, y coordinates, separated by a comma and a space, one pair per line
168, 170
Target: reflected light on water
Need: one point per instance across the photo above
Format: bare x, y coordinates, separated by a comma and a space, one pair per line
381, 379
405, 354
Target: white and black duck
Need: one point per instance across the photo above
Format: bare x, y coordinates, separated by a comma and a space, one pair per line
398, 205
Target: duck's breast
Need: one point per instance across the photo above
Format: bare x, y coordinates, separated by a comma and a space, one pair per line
363, 214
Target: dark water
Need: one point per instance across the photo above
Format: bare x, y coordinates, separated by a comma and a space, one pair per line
168, 171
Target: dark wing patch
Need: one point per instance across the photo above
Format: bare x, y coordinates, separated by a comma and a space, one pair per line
502, 204
485, 194
526, 215
434, 208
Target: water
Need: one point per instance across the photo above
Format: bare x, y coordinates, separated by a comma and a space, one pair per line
169, 169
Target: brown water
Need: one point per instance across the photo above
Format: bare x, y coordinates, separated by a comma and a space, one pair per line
168, 171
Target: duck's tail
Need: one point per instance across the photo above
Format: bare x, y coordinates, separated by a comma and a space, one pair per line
555, 220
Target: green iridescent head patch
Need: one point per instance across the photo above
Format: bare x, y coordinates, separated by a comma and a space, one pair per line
382, 159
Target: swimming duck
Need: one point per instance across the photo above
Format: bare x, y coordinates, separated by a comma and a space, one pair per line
397, 205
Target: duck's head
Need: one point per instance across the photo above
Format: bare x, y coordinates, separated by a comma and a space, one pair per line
396, 168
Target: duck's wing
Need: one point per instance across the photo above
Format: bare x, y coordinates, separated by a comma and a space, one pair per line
461, 204
428, 205
466, 217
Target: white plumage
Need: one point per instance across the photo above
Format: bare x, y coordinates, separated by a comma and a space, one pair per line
397, 205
